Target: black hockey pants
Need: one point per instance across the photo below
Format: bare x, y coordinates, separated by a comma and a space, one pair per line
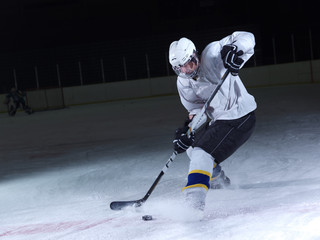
222, 138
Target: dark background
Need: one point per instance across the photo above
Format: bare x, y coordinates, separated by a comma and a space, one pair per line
44, 33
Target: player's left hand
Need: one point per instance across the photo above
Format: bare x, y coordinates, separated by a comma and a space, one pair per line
231, 58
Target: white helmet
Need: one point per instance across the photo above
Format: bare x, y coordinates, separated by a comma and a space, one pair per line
180, 53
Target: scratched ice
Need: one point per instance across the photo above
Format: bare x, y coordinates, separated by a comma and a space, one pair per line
61, 169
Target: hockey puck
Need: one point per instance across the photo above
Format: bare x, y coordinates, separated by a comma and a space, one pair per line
147, 217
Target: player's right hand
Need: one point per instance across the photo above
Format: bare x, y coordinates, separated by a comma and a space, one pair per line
231, 58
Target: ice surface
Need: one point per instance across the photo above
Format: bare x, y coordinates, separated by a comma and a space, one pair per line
61, 169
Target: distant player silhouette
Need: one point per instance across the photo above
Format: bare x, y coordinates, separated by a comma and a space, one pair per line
16, 99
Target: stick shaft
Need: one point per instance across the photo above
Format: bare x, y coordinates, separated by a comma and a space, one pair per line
197, 121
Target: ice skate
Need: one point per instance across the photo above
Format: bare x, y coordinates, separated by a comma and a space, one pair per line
195, 198
218, 179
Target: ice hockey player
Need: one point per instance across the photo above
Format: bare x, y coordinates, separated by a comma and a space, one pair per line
231, 112
14, 100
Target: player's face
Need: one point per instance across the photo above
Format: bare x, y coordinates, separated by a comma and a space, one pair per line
189, 67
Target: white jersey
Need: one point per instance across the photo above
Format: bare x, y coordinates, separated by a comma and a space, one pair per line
232, 101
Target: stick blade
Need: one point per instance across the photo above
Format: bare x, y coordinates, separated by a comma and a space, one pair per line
119, 205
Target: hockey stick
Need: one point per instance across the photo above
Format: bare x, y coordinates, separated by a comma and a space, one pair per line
201, 117
118, 205
196, 123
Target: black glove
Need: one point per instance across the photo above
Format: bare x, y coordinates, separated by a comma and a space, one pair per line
231, 59
181, 141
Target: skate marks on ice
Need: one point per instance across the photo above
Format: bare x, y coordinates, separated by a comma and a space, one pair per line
252, 221
172, 220
48, 228
177, 211
63, 228
277, 184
